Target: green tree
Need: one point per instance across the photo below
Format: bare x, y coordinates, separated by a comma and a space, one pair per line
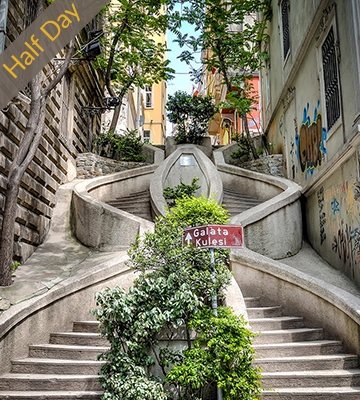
173, 290
191, 114
132, 57
231, 34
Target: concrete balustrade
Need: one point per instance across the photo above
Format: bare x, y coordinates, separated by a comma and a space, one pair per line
274, 227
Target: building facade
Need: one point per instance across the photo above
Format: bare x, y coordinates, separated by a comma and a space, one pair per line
311, 114
70, 126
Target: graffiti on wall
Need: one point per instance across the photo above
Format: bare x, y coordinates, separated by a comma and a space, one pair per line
322, 215
339, 219
310, 141
346, 244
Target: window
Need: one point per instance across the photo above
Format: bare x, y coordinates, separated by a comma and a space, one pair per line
331, 80
285, 7
146, 136
148, 96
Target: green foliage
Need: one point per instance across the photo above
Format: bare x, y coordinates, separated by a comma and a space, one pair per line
244, 147
179, 191
221, 355
124, 148
132, 58
15, 265
233, 36
191, 114
173, 291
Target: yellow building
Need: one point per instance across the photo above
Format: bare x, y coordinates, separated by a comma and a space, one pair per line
154, 124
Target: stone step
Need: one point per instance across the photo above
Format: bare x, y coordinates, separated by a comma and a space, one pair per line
276, 323
306, 363
231, 195
240, 202
296, 349
54, 366
137, 203
264, 312
78, 338
145, 194
237, 203
318, 379
288, 335
252, 302
66, 352
86, 326
51, 395
323, 393
48, 382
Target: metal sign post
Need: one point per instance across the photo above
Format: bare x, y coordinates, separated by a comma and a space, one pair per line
214, 236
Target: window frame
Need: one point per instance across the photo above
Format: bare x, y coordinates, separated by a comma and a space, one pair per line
281, 24
325, 28
143, 135
148, 90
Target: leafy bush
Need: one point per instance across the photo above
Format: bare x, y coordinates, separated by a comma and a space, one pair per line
124, 148
173, 291
221, 355
179, 191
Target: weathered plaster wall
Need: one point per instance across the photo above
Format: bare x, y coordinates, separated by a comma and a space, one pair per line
333, 220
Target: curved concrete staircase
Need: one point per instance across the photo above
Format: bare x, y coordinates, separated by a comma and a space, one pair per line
64, 369
139, 203
297, 362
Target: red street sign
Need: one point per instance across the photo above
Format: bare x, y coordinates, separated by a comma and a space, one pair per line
214, 236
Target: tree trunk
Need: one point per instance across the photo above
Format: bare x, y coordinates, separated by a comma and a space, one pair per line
249, 138
7, 237
26, 152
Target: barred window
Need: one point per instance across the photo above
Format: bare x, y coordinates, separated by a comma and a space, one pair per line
285, 7
331, 81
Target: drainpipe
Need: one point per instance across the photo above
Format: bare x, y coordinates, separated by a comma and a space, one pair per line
4, 5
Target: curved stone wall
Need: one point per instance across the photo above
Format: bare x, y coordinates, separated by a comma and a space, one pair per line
321, 303
185, 163
274, 227
104, 227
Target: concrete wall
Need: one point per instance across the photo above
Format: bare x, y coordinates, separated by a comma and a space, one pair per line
173, 170
68, 131
320, 303
333, 218
321, 158
104, 227
274, 228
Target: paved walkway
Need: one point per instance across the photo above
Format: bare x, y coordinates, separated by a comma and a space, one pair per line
309, 262
60, 257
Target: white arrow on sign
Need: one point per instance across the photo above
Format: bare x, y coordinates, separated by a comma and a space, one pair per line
188, 238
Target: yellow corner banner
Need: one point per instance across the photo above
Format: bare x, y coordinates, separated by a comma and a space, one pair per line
42, 41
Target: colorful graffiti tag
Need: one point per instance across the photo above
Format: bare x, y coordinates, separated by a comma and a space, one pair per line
339, 219
322, 215
310, 141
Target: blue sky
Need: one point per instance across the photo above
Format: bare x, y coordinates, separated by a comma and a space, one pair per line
182, 77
